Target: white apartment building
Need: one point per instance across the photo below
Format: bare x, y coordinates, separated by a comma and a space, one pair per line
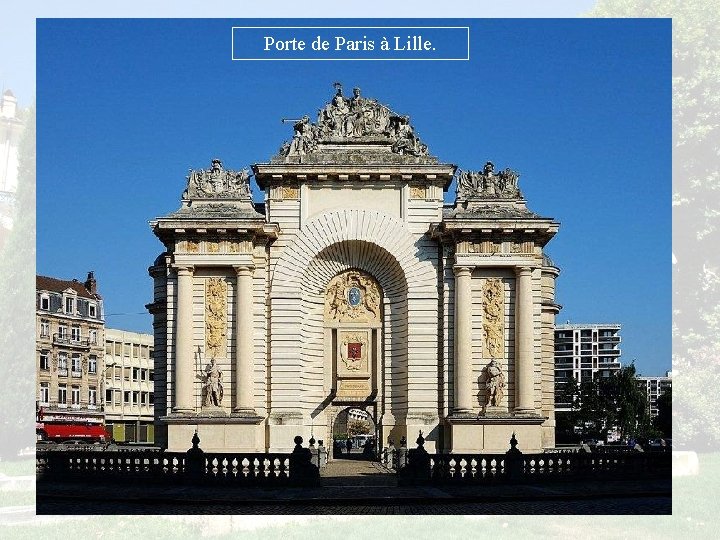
654, 388
584, 352
128, 387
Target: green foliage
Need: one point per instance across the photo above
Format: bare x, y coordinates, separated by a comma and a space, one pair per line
358, 427
17, 319
609, 402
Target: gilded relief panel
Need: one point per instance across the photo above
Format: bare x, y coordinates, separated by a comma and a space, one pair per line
215, 317
494, 318
353, 297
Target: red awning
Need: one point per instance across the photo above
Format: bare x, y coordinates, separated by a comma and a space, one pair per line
75, 431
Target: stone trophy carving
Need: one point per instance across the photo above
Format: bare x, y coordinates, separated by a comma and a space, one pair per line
493, 318
358, 118
353, 297
494, 384
212, 388
217, 183
487, 184
215, 316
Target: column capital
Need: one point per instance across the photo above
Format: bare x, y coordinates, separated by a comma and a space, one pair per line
523, 270
463, 270
244, 269
186, 269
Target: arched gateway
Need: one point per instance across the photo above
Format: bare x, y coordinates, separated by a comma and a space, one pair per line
354, 286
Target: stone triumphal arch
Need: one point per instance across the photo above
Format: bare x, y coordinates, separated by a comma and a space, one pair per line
353, 285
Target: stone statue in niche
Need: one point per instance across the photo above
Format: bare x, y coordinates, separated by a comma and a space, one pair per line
213, 388
494, 384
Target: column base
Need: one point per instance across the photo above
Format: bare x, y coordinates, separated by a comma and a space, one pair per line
521, 411
244, 412
181, 411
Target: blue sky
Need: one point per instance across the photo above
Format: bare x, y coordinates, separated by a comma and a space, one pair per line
581, 108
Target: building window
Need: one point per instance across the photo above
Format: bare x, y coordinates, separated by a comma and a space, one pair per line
75, 366
109, 347
44, 360
75, 333
62, 394
75, 396
118, 372
143, 374
62, 363
44, 393
108, 395
92, 310
135, 374
136, 398
44, 328
126, 397
92, 396
45, 302
126, 373
70, 306
93, 337
117, 397
62, 331
92, 364
151, 398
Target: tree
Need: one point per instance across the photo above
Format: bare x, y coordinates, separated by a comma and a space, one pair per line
358, 427
606, 403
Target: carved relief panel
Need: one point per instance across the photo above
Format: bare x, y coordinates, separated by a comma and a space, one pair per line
353, 354
215, 317
353, 297
353, 314
493, 318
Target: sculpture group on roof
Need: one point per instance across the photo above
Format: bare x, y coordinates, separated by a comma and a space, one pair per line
356, 117
488, 184
217, 183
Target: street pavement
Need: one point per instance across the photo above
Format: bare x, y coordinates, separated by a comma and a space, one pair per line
352, 486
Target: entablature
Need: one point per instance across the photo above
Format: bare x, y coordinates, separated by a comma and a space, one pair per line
268, 175
466, 233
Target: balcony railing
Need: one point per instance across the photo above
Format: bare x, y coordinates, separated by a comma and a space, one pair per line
62, 372
70, 341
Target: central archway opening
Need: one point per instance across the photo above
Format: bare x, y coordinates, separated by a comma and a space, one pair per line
355, 435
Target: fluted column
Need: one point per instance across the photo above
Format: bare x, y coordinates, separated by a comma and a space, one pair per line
184, 371
463, 339
524, 357
244, 340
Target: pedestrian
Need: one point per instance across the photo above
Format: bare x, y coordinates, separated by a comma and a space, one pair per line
348, 445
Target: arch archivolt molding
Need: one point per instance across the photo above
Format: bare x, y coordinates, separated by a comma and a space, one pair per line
290, 276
